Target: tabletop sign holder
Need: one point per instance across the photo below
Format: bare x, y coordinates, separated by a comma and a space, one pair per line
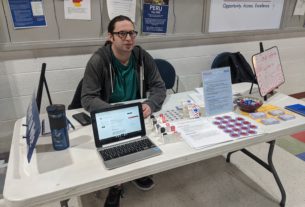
45, 125
33, 127
261, 49
268, 71
42, 82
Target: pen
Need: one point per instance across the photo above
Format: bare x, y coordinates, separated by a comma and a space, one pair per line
71, 124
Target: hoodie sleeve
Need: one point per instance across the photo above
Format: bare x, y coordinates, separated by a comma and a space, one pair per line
154, 83
95, 75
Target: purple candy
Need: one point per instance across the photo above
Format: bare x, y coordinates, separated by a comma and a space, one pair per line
240, 119
243, 134
238, 124
236, 129
234, 135
224, 122
246, 122
216, 123
252, 132
228, 131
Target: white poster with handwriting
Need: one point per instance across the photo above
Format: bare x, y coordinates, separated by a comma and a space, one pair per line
268, 70
241, 15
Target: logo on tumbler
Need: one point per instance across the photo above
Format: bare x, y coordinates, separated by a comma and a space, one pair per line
59, 126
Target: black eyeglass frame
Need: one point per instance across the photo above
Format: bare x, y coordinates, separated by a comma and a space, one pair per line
123, 34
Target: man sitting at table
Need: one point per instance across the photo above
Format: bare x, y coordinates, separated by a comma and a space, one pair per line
120, 71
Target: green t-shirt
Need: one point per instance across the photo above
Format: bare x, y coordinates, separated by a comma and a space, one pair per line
125, 82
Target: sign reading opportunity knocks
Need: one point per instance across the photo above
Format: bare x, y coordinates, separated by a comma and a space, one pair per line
241, 15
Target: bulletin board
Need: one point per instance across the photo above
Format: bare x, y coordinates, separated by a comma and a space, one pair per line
268, 70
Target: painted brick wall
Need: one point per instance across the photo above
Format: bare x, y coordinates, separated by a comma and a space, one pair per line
19, 76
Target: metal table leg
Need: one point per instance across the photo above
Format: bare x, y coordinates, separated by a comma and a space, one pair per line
269, 167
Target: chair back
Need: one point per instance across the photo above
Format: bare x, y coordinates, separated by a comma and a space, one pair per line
240, 69
167, 72
221, 60
76, 101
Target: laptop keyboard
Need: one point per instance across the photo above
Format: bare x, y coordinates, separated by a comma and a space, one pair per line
126, 149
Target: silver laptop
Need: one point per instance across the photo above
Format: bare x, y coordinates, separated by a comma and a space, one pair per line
120, 136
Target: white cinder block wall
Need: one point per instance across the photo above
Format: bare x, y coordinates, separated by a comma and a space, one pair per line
19, 77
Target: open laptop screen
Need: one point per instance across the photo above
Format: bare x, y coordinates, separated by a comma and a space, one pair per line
117, 123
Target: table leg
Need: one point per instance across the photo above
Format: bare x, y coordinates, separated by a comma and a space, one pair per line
275, 175
229, 156
269, 167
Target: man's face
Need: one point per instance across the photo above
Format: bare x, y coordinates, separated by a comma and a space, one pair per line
121, 41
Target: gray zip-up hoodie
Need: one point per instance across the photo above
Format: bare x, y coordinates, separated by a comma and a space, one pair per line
98, 81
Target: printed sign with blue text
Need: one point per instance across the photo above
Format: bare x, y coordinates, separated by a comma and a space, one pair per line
155, 16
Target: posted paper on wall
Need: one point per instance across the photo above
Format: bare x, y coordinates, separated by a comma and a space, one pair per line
27, 14
77, 9
155, 16
299, 8
122, 7
239, 15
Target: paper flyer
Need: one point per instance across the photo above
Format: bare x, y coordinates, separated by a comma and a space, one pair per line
77, 9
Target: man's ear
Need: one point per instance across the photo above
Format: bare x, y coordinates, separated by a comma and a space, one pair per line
110, 37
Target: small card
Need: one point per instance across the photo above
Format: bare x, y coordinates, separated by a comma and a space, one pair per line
194, 111
286, 117
258, 115
270, 121
276, 112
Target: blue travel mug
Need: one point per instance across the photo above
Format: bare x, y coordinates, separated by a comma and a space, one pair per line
59, 126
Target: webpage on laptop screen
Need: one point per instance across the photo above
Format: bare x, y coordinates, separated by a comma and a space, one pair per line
118, 123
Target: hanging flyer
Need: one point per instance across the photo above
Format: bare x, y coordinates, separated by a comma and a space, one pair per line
27, 13
239, 15
155, 16
299, 8
77, 9
122, 7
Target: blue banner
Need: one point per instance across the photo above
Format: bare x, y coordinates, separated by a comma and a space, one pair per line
155, 17
27, 13
33, 127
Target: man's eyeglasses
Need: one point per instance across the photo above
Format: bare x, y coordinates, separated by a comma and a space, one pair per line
123, 34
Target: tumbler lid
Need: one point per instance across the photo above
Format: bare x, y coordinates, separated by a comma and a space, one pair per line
55, 108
